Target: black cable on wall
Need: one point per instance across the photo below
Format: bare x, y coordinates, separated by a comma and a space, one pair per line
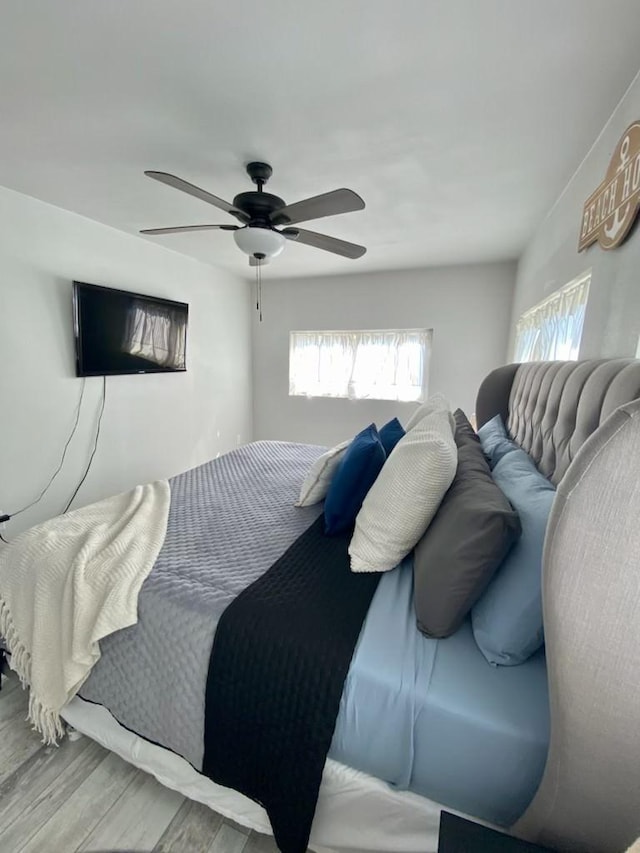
64, 454
95, 445
9, 516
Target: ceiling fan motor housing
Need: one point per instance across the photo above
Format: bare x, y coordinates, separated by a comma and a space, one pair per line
258, 206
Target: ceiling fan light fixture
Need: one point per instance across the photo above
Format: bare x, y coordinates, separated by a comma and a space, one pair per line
255, 241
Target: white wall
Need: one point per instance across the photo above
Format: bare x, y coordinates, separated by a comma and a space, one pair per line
612, 321
154, 425
468, 308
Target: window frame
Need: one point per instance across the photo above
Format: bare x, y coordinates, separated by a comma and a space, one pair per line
348, 392
583, 284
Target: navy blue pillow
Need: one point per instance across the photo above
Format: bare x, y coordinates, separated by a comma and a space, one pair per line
390, 435
355, 475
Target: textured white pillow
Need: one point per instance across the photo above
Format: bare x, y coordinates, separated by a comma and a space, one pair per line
436, 403
316, 484
405, 497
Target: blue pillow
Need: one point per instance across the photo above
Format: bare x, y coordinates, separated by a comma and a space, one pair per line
355, 475
507, 620
495, 441
390, 435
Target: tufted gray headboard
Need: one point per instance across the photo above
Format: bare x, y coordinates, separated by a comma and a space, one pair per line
582, 419
551, 407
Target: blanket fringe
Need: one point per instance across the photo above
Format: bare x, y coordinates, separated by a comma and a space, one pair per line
44, 720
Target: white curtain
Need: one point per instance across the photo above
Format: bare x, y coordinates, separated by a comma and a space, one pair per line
553, 329
383, 364
156, 333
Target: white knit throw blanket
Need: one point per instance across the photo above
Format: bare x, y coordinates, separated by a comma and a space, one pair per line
69, 582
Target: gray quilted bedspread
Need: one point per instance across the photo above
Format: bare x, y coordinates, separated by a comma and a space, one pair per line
229, 521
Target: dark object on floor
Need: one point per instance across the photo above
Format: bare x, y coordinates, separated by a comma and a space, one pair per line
4, 666
280, 656
458, 835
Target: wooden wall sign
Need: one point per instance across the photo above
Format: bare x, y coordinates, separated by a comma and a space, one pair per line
610, 211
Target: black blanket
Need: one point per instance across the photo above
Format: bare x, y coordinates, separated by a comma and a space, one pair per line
280, 656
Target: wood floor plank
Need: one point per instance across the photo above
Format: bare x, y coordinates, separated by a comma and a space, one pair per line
259, 843
13, 704
193, 829
137, 820
238, 826
18, 741
9, 683
77, 817
35, 792
228, 840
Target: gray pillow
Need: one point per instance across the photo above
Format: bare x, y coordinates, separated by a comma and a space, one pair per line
465, 543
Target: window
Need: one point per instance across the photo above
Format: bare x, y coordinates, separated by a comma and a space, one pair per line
379, 364
553, 329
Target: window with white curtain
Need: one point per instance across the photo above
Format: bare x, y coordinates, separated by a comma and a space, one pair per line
375, 364
552, 329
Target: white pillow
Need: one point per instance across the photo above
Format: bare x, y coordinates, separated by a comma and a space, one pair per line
316, 484
405, 497
436, 403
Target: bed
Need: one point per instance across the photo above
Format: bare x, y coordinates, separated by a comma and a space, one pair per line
422, 723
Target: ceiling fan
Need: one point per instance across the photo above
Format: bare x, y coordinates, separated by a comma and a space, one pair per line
263, 215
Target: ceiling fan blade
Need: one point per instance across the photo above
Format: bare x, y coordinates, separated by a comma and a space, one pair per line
181, 228
203, 195
322, 241
327, 204
254, 262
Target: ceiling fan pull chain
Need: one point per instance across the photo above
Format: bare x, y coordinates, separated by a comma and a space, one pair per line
257, 291
259, 261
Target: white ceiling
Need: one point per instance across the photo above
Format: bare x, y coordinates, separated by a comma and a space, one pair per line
458, 121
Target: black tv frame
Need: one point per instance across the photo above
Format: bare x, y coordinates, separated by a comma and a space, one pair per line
77, 330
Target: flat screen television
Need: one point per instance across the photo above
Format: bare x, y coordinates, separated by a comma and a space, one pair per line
120, 332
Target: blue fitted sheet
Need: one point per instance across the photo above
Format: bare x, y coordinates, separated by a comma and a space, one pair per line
434, 717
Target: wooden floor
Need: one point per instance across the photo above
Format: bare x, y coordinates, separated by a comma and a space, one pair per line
79, 796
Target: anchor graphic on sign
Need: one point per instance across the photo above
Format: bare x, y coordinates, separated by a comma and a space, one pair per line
619, 220
611, 210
